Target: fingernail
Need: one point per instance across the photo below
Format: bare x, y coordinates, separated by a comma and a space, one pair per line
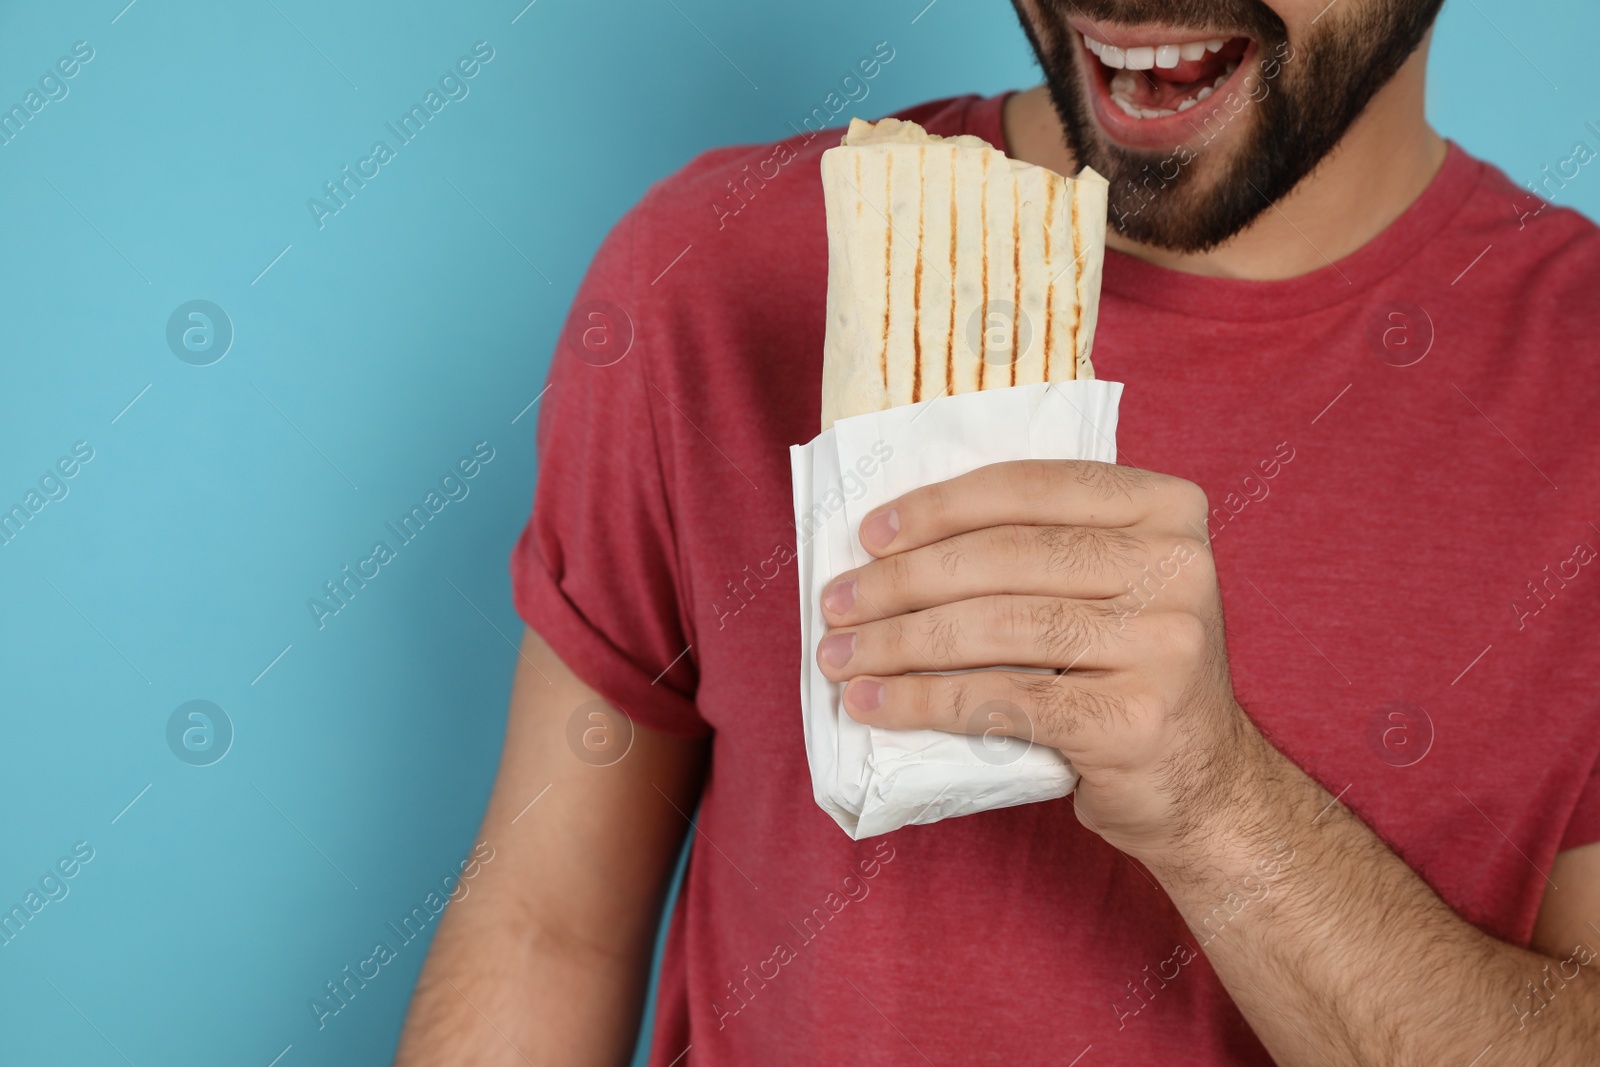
865, 695
840, 597
880, 529
836, 649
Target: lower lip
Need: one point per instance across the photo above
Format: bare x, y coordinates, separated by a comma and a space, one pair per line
1167, 132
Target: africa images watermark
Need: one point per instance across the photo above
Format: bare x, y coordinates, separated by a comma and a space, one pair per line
1538, 996
1150, 583
1253, 888
454, 485
453, 888
52, 888
1255, 88
739, 597
853, 88
811, 926
1551, 582
53, 88
1566, 170
1255, 488
452, 88
52, 486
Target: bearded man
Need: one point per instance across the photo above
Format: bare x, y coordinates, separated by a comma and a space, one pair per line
1357, 824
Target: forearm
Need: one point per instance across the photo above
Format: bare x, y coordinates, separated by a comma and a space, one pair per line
1338, 953
545, 958
495, 990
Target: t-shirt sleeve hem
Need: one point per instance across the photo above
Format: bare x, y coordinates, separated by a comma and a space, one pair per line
596, 661
1583, 828
1579, 837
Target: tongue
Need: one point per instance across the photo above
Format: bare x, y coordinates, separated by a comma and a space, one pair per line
1164, 88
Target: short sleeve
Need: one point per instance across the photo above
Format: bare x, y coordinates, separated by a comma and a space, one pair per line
596, 570
1583, 828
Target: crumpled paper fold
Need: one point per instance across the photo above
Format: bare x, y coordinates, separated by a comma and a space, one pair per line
871, 780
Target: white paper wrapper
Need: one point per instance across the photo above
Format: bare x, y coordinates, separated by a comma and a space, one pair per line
873, 780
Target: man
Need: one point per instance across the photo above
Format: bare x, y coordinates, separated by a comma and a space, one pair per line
1357, 826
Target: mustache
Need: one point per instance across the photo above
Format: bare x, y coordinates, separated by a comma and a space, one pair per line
1250, 18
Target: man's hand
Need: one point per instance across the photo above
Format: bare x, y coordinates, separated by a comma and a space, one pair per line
1098, 571
1104, 573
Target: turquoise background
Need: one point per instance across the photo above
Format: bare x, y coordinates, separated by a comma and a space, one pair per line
368, 356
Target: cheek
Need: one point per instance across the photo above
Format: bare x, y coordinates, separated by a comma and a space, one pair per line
1297, 14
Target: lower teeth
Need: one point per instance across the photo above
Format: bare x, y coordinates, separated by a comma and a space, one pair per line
1124, 83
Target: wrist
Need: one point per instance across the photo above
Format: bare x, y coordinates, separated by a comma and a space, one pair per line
1233, 806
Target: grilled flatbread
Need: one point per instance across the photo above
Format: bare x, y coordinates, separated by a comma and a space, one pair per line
953, 268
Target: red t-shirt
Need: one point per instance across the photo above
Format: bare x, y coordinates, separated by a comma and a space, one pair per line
1403, 454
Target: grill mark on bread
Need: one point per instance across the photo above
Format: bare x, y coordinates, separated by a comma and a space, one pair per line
1050, 287
916, 284
1077, 283
888, 251
950, 336
846, 389
983, 308
1016, 272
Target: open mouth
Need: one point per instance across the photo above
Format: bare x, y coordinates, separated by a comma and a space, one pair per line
1143, 79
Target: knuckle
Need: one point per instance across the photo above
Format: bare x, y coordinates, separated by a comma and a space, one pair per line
1184, 635
951, 553
907, 699
1060, 711
872, 646
1051, 630
957, 702
1043, 702
1188, 548
1178, 554
1029, 479
936, 502
1004, 621
1195, 505
879, 646
941, 634
1109, 480
1015, 544
896, 573
1143, 715
1054, 629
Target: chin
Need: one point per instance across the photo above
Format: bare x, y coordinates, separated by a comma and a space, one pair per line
1173, 118
1201, 127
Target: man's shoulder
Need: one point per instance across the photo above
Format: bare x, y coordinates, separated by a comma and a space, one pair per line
1556, 249
1520, 291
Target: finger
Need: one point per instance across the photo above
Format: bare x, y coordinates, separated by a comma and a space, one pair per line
1021, 631
1053, 710
1079, 562
1032, 492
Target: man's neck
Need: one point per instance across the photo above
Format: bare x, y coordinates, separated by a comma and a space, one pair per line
1385, 161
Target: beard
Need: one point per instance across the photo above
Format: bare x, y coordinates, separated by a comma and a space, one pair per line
1303, 97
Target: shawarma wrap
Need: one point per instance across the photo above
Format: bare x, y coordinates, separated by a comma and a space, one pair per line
953, 268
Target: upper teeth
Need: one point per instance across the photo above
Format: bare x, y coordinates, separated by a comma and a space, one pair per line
1143, 57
